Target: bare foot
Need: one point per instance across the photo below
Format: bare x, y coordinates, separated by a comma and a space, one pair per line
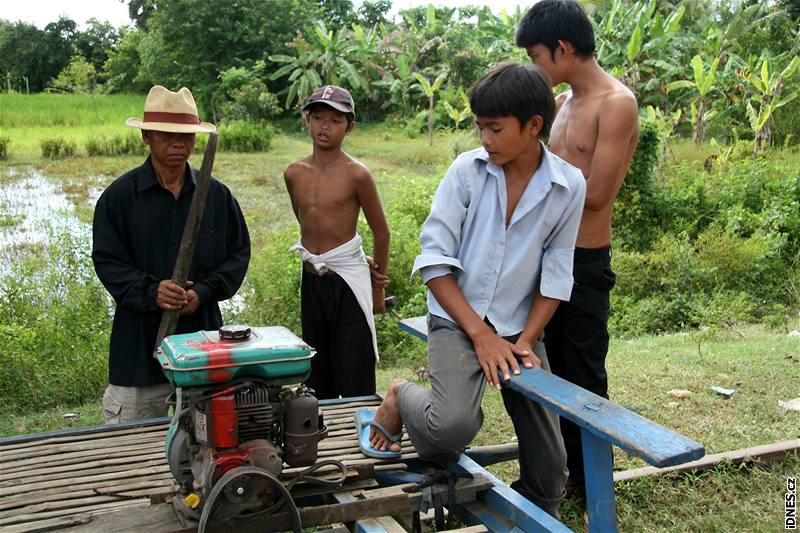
387, 415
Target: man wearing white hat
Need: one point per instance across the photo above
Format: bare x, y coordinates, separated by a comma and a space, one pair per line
137, 229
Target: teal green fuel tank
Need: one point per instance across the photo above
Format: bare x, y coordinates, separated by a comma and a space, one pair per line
203, 358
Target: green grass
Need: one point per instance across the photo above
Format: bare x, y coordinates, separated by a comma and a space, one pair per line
67, 110
27, 119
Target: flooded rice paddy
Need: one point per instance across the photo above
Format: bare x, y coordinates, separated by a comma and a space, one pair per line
37, 218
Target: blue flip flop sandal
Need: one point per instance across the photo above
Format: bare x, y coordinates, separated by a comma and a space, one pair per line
365, 419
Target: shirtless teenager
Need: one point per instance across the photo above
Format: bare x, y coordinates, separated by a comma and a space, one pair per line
596, 129
328, 189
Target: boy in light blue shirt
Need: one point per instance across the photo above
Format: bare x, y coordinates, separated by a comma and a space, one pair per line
496, 256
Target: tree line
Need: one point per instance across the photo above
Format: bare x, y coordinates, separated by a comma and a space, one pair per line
704, 68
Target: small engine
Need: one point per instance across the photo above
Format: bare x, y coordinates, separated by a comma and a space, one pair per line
235, 407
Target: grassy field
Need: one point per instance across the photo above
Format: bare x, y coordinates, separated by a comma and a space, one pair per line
29, 119
763, 366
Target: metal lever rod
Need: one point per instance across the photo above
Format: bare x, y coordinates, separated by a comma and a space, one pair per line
169, 319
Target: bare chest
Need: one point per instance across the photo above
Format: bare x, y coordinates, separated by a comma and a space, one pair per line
573, 135
326, 193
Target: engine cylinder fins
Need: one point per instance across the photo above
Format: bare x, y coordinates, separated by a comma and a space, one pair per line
254, 413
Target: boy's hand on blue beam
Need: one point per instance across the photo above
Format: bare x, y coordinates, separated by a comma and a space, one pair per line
526, 355
497, 357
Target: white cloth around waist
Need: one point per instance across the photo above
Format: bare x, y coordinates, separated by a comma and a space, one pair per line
349, 262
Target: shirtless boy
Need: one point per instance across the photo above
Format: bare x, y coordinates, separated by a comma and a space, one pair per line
328, 189
596, 129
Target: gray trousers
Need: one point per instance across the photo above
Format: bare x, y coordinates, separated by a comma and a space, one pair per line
121, 404
446, 417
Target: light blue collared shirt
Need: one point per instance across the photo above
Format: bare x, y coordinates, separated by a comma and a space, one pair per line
497, 267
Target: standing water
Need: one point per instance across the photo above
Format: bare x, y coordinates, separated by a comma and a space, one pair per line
35, 213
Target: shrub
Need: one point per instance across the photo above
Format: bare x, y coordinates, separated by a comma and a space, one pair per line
716, 280
271, 292
55, 324
57, 148
79, 76
241, 136
4, 142
250, 102
128, 144
786, 130
637, 210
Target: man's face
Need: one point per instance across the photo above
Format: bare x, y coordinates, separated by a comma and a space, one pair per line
541, 56
503, 138
171, 150
328, 126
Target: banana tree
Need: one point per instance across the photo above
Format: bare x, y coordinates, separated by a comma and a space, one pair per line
640, 45
768, 85
430, 90
703, 83
322, 56
459, 110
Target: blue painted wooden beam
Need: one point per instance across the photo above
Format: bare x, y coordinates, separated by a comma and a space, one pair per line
505, 505
635, 434
417, 326
598, 471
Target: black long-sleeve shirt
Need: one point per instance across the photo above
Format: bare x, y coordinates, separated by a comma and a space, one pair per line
137, 230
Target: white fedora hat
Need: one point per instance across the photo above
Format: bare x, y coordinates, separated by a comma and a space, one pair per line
173, 112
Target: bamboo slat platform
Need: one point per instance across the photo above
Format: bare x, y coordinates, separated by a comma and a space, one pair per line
49, 482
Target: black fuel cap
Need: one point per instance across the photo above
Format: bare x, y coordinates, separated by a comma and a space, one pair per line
234, 332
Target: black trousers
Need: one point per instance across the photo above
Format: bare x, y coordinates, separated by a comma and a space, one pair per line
335, 326
577, 339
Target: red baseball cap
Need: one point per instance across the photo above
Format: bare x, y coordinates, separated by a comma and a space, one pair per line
332, 96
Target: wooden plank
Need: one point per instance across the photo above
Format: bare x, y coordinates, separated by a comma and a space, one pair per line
89, 479
61, 504
480, 512
120, 463
598, 469
417, 326
20, 519
82, 446
83, 437
635, 434
88, 456
133, 425
150, 485
50, 524
382, 524
759, 454
154, 518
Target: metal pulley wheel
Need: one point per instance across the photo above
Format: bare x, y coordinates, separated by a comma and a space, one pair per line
237, 485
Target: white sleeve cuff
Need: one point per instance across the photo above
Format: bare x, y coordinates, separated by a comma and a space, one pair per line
431, 272
430, 260
556, 281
